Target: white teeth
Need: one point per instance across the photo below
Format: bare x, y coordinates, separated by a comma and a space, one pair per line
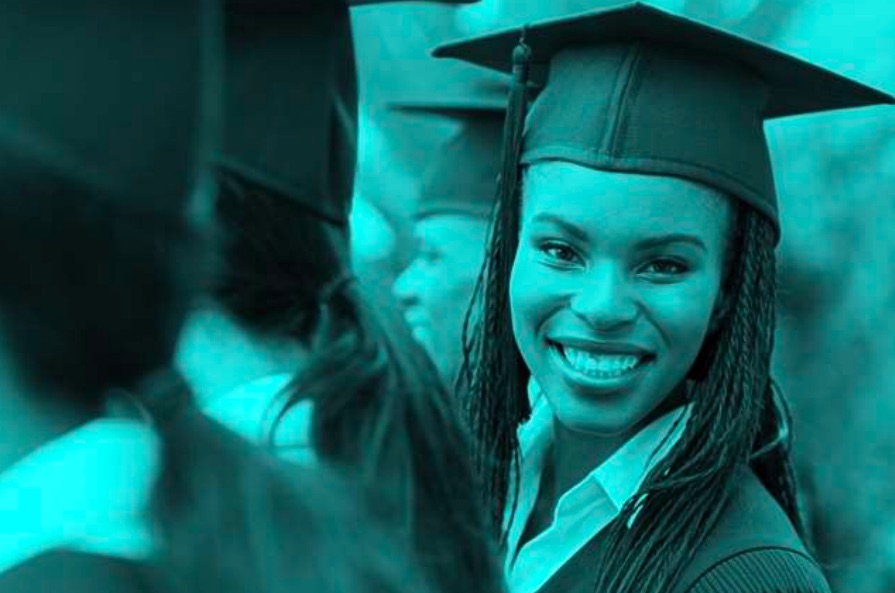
602, 365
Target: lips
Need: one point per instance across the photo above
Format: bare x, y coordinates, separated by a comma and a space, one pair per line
413, 317
418, 327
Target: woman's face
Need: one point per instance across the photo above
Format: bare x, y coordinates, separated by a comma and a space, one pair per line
614, 286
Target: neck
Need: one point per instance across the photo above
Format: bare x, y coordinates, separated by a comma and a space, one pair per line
217, 355
576, 454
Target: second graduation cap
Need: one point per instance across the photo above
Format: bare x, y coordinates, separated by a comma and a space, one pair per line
637, 89
291, 99
462, 173
117, 96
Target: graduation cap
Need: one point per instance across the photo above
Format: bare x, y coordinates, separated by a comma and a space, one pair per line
291, 100
368, 2
113, 95
641, 90
462, 173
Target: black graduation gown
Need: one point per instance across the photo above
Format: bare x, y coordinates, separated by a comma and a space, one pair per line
753, 548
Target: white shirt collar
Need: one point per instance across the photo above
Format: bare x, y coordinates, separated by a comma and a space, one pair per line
86, 490
622, 474
586, 508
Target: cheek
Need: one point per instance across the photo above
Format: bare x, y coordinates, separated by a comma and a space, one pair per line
682, 319
457, 275
466, 261
518, 296
462, 268
447, 287
530, 303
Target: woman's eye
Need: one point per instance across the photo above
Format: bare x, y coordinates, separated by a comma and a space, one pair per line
666, 267
558, 252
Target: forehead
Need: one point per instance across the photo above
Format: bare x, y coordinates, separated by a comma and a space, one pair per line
624, 204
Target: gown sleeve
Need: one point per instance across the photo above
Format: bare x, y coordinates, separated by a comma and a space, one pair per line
76, 572
764, 571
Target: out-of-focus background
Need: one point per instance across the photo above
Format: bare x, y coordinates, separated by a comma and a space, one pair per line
835, 354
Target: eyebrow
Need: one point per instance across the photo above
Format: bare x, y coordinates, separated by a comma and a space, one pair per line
570, 228
647, 243
668, 238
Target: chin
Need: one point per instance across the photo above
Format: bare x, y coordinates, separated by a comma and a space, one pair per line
598, 419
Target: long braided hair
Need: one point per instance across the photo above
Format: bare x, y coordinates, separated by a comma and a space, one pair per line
738, 416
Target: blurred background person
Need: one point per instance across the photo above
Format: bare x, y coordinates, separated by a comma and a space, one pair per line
380, 223
450, 227
394, 150
287, 348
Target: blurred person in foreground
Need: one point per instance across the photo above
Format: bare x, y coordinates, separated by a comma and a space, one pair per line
110, 478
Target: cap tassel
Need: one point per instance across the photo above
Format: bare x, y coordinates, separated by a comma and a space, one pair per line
507, 193
514, 124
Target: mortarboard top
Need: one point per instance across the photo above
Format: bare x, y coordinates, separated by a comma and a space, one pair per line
638, 89
368, 2
461, 176
114, 95
304, 6
291, 99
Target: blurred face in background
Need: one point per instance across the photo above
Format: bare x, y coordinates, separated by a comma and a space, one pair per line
381, 222
436, 288
373, 243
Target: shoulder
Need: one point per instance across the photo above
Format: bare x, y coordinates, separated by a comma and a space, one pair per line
765, 570
753, 547
85, 490
75, 572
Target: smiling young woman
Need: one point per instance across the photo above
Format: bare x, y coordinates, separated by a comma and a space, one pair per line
631, 277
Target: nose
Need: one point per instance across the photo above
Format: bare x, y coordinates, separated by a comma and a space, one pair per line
605, 301
406, 286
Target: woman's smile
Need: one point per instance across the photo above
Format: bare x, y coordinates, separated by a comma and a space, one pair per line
599, 368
